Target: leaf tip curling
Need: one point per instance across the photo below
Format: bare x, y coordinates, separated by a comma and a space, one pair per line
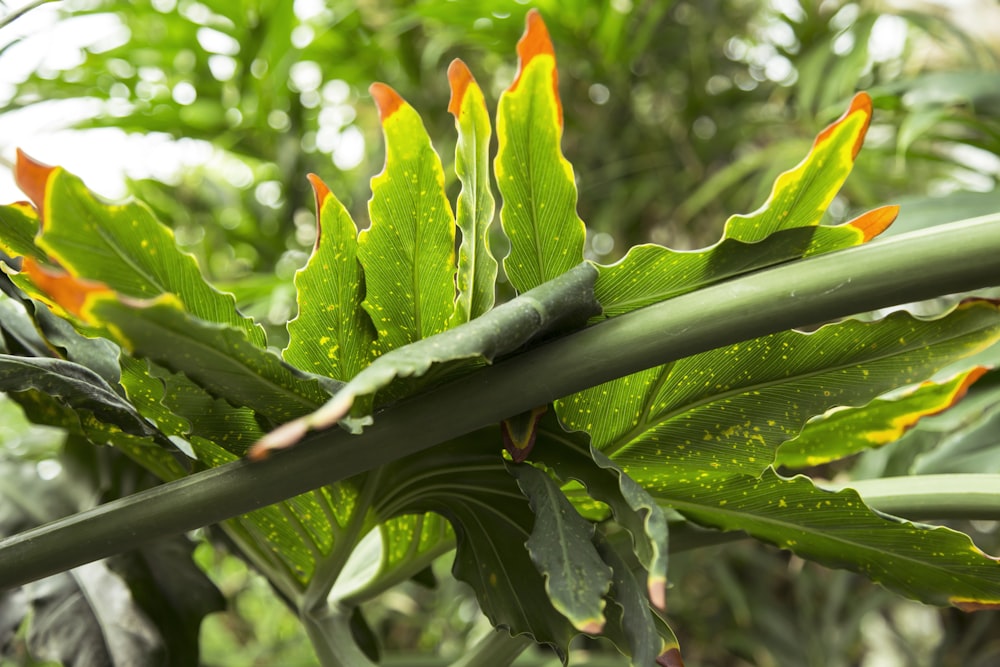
459, 78
322, 192
670, 658
876, 221
386, 99
32, 177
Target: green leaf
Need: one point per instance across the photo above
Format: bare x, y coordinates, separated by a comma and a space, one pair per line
935, 565
18, 227
725, 412
78, 388
121, 246
477, 269
218, 358
636, 631
332, 334
570, 457
561, 546
535, 180
466, 481
842, 432
562, 304
785, 227
408, 253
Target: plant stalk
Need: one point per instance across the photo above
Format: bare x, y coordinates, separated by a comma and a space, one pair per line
947, 259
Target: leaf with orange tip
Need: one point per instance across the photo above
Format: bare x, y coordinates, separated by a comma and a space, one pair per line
786, 227
120, 245
408, 252
535, 180
332, 335
932, 564
844, 432
477, 269
61, 290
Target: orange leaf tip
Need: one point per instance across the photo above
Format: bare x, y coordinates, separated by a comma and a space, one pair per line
322, 192
32, 177
67, 291
459, 78
387, 100
874, 222
861, 103
534, 43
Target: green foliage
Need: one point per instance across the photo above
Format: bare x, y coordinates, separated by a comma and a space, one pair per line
575, 539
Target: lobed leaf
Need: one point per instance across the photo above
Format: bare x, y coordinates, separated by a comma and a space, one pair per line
18, 228
934, 565
77, 387
786, 227
842, 432
408, 253
561, 547
332, 335
570, 457
564, 303
121, 246
535, 180
477, 269
726, 411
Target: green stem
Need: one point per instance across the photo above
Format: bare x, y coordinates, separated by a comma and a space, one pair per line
947, 259
496, 649
329, 632
954, 496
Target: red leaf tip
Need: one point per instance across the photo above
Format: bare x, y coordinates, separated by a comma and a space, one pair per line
65, 290
459, 78
860, 103
533, 43
387, 100
32, 176
874, 222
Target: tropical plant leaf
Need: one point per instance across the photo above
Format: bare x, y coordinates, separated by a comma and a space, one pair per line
217, 357
408, 252
121, 246
632, 626
477, 269
562, 304
725, 412
785, 227
842, 432
18, 228
78, 388
561, 546
570, 457
332, 334
535, 180
935, 565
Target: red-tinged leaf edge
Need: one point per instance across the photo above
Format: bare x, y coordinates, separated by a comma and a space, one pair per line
670, 658
534, 43
66, 291
974, 605
459, 78
519, 433
322, 192
862, 102
386, 99
33, 177
876, 221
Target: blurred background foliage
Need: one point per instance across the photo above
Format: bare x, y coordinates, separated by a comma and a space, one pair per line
678, 114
